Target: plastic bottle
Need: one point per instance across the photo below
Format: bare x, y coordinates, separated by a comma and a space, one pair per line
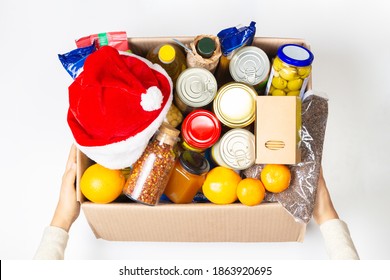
150, 173
170, 57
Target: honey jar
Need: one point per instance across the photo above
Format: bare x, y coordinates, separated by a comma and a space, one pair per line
187, 177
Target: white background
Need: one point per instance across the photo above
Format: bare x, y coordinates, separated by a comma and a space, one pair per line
350, 41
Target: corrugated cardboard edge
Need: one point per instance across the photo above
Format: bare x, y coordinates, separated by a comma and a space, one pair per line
207, 222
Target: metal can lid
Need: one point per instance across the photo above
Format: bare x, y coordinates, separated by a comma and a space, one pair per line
295, 55
201, 129
196, 87
237, 148
235, 104
194, 163
250, 65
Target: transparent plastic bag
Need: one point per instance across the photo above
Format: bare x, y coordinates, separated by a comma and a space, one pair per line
299, 198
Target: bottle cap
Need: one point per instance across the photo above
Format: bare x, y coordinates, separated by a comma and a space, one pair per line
295, 55
206, 47
194, 162
166, 54
201, 129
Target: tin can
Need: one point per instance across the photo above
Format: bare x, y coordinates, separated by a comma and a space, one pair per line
187, 177
250, 65
235, 149
200, 130
235, 104
290, 71
195, 88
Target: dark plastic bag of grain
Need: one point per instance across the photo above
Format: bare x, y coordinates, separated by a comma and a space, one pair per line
299, 198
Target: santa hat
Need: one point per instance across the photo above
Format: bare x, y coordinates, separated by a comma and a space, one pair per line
116, 105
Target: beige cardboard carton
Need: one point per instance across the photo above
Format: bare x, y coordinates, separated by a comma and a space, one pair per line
278, 121
123, 220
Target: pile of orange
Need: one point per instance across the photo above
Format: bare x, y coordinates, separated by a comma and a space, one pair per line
224, 186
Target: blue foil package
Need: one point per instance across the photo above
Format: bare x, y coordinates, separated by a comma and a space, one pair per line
235, 37
73, 61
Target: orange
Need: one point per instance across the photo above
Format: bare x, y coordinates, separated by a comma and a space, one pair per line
220, 186
250, 191
275, 177
100, 184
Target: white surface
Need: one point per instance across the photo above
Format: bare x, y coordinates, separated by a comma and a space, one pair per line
350, 41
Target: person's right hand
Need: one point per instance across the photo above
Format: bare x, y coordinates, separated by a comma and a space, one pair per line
323, 208
68, 208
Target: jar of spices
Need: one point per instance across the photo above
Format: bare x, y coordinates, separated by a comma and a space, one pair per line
290, 71
187, 177
200, 130
235, 104
150, 173
235, 149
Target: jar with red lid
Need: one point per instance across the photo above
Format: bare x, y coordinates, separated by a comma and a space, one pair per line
200, 130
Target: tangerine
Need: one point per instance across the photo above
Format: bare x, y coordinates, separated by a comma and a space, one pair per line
275, 177
250, 191
100, 184
220, 186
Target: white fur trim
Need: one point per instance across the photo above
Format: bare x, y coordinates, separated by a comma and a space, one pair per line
124, 153
152, 99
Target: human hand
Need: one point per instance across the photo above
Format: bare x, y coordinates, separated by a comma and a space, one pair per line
323, 208
68, 208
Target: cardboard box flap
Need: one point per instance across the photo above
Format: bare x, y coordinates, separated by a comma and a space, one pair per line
202, 222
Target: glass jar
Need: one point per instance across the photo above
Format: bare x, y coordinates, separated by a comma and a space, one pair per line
235, 104
235, 149
290, 71
150, 173
187, 177
200, 130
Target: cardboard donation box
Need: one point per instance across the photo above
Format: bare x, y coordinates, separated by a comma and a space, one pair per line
125, 220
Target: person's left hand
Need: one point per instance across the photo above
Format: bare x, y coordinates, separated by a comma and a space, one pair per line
68, 208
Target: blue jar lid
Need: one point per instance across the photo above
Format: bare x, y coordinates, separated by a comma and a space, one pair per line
295, 55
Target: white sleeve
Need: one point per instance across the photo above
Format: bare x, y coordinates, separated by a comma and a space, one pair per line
338, 241
53, 244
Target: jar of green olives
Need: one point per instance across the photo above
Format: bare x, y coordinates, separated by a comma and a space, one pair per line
290, 71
